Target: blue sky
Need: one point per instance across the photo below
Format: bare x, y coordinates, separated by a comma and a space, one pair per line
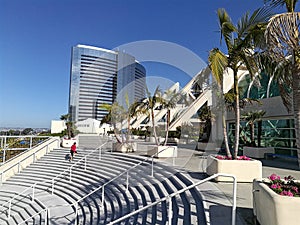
37, 36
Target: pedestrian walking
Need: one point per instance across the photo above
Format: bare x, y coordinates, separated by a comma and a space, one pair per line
73, 151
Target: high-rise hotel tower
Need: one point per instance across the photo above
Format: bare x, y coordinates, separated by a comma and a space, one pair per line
101, 76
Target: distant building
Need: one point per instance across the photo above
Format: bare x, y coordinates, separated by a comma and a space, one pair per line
97, 76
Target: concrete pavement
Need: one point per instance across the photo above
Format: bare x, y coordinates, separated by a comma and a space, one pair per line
218, 195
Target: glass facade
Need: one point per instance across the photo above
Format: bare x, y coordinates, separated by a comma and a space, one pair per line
277, 131
96, 79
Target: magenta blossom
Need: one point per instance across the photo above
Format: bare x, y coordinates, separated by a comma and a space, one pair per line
274, 177
287, 193
285, 187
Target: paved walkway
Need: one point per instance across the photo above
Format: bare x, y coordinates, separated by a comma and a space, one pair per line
218, 195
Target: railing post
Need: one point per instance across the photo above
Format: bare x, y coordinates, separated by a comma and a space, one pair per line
30, 145
84, 163
52, 192
234, 200
76, 213
34, 157
173, 156
170, 212
127, 181
1, 180
102, 197
9, 208
100, 153
19, 166
70, 178
3, 156
46, 216
152, 167
33, 187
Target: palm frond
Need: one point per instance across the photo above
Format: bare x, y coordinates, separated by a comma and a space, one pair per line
226, 27
218, 63
289, 4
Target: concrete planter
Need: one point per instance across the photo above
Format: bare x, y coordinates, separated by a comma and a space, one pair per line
244, 170
67, 143
271, 208
162, 151
256, 152
125, 147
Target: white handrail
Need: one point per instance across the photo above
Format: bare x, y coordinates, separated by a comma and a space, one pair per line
46, 181
126, 171
170, 196
75, 204
3, 171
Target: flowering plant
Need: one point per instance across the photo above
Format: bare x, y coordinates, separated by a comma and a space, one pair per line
286, 186
223, 157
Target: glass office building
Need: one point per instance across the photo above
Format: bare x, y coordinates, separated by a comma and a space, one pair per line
99, 76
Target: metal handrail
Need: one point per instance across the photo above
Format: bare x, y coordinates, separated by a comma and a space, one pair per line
170, 196
75, 204
45, 209
18, 163
46, 181
118, 176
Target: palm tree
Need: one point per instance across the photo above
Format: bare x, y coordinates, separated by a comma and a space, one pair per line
115, 115
69, 124
169, 101
283, 47
251, 118
241, 42
148, 105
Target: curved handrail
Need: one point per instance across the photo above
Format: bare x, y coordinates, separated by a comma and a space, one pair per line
75, 204
169, 197
45, 209
52, 180
118, 176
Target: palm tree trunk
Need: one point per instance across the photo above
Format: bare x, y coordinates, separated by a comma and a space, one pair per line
252, 134
259, 132
228, 153
153, 126
296, 103
237, 113
167, 130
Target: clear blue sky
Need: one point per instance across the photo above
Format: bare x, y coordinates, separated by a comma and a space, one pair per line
37, 36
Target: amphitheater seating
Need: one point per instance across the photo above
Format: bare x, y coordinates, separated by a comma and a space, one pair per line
118, 200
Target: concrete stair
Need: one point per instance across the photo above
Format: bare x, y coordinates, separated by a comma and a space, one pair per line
143, 189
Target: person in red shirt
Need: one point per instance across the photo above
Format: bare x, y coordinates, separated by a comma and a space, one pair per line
73, 151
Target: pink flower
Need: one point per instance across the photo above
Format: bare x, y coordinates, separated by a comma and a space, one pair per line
275, 186
274, 177
243, 157
287, 193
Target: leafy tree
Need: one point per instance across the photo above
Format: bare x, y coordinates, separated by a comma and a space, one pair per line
241, 42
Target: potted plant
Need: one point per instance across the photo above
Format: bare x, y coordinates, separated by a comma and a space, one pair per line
241, 42
119, 116
166, 101
276, 201
244, 168
252, 149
